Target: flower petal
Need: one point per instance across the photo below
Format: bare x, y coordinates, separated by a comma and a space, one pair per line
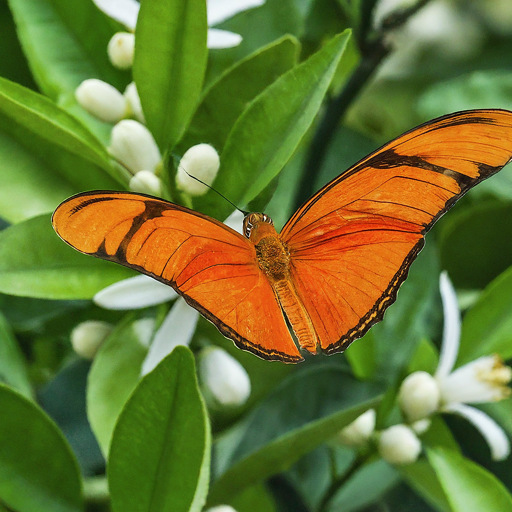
236, 221
134, 293
177, 329
451, 329
218, 39
494, 435
124, 11
220, 10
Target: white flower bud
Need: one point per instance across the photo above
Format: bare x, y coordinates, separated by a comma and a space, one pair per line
399, 445
358, 432
101, 100
223, 377
202, 162
421, 426
134, 108
221, 508
418, 396
87, 337
133, 145
120, 50
146, 182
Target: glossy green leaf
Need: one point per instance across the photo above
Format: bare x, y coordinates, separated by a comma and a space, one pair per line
160, 451
361, 356
468, 486
228, 96
365, 487
114, 374
65, 43
13, 369
269, 130
487, 326
35, 262
254, 499
169, 65
38, 472
426, 358
473, 245
40, 115
308, 408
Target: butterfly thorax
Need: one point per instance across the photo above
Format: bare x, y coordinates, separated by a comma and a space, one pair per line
272, 254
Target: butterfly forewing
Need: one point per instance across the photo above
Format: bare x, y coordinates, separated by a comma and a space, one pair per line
351, 245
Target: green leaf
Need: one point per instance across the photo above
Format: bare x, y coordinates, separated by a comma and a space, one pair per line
487, 326
13, 370
426, 358
160, 452
468, 486
35, 262
365, 487
269, 130
227, 97
38, 114
254, 499
114, 374
361, 356
169, 64
38, 472
477, 234
65, 43
289, 424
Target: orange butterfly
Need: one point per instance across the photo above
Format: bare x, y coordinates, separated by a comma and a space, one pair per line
338, 262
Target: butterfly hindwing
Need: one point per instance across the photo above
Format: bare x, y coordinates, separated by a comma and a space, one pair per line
212, 266
351, 245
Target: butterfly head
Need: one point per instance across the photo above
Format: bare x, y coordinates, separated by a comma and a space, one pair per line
254, 222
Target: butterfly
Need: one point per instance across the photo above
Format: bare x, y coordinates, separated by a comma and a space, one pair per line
337, 264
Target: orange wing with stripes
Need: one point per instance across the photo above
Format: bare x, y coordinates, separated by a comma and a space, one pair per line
212, 266
351, 245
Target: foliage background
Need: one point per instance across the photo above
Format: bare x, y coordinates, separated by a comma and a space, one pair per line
274, 453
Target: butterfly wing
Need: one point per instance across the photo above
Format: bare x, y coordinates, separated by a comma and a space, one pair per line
212, 266
351, 245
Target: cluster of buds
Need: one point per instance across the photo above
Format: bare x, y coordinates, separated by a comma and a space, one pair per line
447, 391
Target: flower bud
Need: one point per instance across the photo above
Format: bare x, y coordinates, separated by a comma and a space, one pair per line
223, 377
133, 145
202, 162
421, 426
221, 508
146, 182
120, 50
134, 108
418, 396
101, 100
358, 432
87, 337
399, 445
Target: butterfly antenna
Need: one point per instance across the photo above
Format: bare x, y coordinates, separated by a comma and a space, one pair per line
216, 191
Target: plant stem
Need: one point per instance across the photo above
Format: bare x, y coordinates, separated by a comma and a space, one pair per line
373, 53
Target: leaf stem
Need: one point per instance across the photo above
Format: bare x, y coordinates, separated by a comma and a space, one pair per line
374, 48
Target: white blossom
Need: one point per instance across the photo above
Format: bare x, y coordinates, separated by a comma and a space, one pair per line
418, 396
399, 445
88, 336
221, 508
146, 182
101, 100
358, 432
133, 105
120, 49
224, 377
202, 162
133, 145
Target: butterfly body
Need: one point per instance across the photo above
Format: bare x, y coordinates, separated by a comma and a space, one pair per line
338, 262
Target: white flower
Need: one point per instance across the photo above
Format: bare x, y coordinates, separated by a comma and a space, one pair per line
399, 445
120, 49
418, 396
101, 100
142, 291
133, 145
421, 426
146, 182
358, 432
224, 377
87, 337
221, 508
202, 162
126, 12
133, 105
